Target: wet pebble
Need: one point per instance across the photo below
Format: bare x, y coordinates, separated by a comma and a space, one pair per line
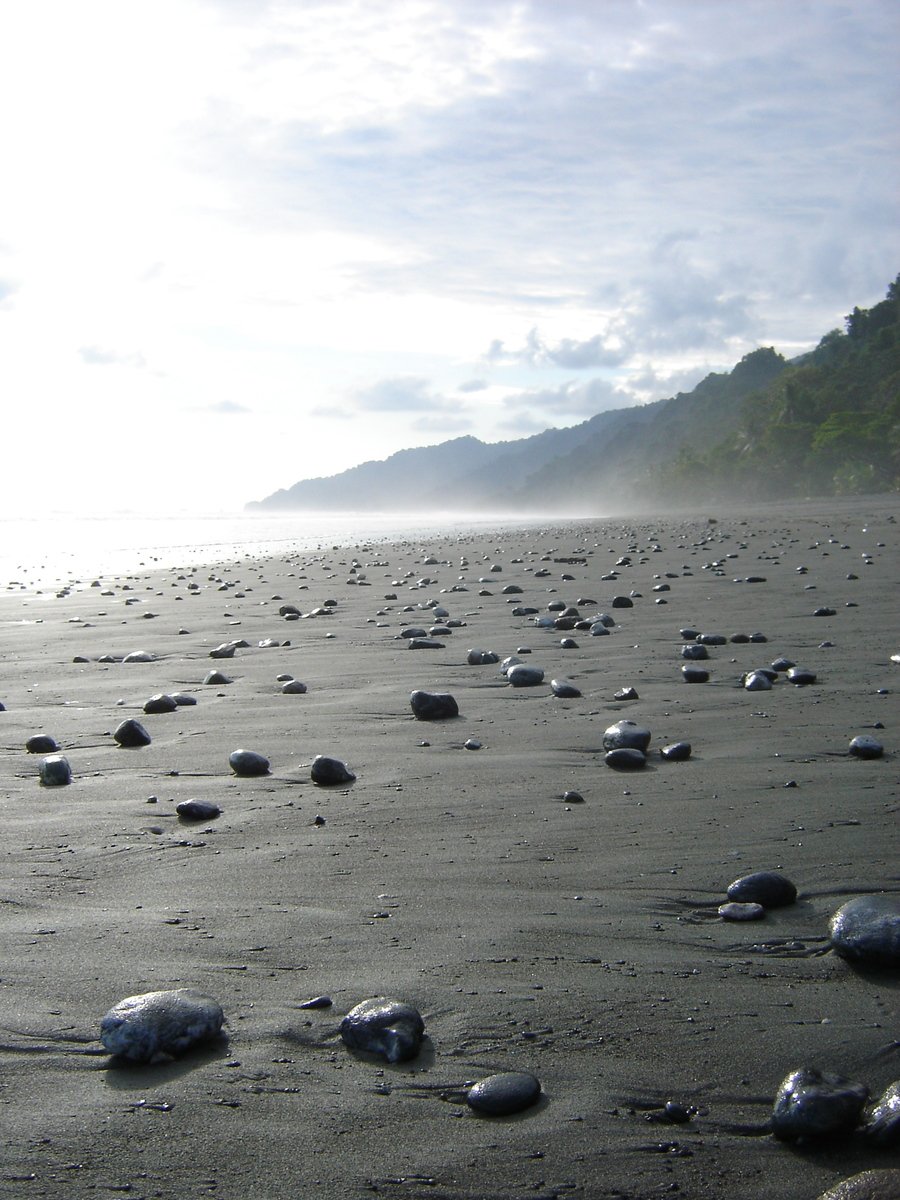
866, 931
293, 687
197, 810
737, 911
330, 772
389, 1028
433, 706
478, 658
522, 675
882, 1125
130, 734
866, 746
55, 771
564, 689
41, 743
692, 674
768, 888
505, 1093
160, 703
625, 758
676, 751
217, 677
868, 1185
156, 1026
816, 1104
626, 735
248, 762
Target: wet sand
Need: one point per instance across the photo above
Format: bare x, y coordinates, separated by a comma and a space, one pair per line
577, 941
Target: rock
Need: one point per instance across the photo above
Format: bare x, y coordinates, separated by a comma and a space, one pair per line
625, 758
424, 643
626, 735
433, 706
330, 772
882, 1125
627, 693
388, 1028
694, 651
480, 658
573, 797
676, 751
248, 762
564, 689
505, 1093
226, 650
757, 681
130, 734
160, 703
865, 746
157, 1026
522, 675
217, 677
866, 931
736, 911
767, 888
139, 656
813, 1104
293, 687
55, 771
197, 810
712, 639
622, 602
800, 676
41, 743
869, 1185
471, 744
692, 674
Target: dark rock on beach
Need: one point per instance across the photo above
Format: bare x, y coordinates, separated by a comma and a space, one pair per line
505, 1093
521, 675
814, 1104
156, 1026
248, 763
882, 1125
197, 810
866, 746
564, 689
625, 758
767, 888
160, 703
866, 931
676, 752
433, 706
55, 771
131, 734
626, 735
330, 772
41, 743
389, 1028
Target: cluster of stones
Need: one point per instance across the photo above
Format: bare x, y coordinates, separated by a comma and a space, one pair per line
812, 1105
750, 896
626, 744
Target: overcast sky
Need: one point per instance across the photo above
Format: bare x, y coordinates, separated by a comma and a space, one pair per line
244, 242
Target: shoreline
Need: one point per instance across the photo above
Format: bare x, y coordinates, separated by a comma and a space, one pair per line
575, 940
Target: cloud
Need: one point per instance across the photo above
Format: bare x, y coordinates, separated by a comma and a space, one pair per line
566, 404
443, 423
96, 356
7, 289
401, 394
473, 385
601, 350
227, 408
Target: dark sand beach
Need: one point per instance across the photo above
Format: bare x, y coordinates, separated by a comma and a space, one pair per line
578, 941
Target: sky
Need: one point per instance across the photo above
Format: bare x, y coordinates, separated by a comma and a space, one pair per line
248, 242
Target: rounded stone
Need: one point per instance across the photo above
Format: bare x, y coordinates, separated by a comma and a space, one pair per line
293, 687
480, 658
139, 656
55, 771
424, 643
695, 651
737, 911
757, 681
505, 1093
882, 1126
156, 1026
226, 650
248, 762
626, 735
800, 676
522, 675
433, 706
160, 703
41, 743
564, 689
391, 1029
622, 602
768, 888
217, 677
815, 1104
866, 931
197, 810
676, 751
866, 746
330, 772
626, 758
868, 1185
692, 674
130, 734
573, 797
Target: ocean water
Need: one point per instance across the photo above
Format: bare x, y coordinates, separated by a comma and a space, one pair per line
40, 551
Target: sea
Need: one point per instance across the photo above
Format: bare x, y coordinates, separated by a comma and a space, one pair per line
42, 551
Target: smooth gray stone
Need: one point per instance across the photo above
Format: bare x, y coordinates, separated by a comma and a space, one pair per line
598, 629
767, 888
800, 676
510, 661
480, 658
694, 651
424, 643
736, 910
882, 1126
564, 689
627, 693
815, 1104
248, 762
293, 687
41, 743
413, 632
522, 675
866, 931
433, 706
226, 650
138, 656
712, 639
868, 1185
218, 677
329, 772
626, 735
622, 602
197, 810
130, 734
676, 751
55, 771
865, 746
692, 674
504, 1093
159, 1025
388, 1028
160, 703
182, 699
626, 758
757, 681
